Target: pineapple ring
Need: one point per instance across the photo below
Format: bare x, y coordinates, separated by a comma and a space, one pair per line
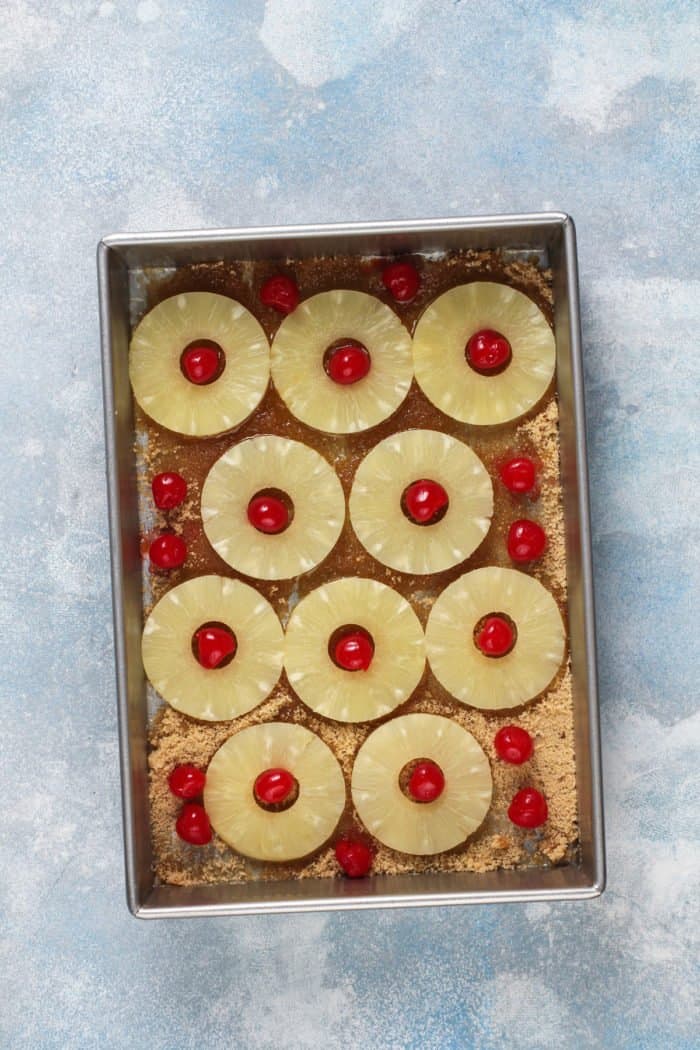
271, 462
259, 833
375, 501
414, 827
443, 374
213, 695
399, 654
163, 391
298, 371
492, 683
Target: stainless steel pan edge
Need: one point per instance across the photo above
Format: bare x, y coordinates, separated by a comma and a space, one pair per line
593, 843
552, 233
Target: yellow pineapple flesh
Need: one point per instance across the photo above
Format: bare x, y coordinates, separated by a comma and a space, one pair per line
441, 368
218, 693
159, 384
383, 476
414, 827
298, 371
397, 663
271, 462
260, 833
505, 681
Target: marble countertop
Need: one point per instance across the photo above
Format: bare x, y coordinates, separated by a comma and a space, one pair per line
146, 114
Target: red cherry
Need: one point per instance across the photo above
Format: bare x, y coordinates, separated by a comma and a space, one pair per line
214, 645
193, 825
169, 490
274, 786
526, 540
281, 293
186, 781
518, 475
201, 363
513, 745
347, 362
354, 651
268, 514
488, 351
427, 782
425, 502
496, 636
528, 808
402, 280
168, 551
355, 858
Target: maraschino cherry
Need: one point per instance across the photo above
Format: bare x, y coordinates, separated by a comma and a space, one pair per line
528, 808
488, 352
281, 293
273, 787
526, 540
513, 744
186, 781
268, 514
425, 502
347, 362
167, 551
202, 363
169, 490
214, 645
402, 280
495, 636
193, 825
353, 651
519, 475
427, 782
354, 857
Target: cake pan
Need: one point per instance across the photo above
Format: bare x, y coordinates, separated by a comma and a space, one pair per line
123, 263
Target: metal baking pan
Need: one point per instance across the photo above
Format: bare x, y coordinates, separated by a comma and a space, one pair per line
121, 260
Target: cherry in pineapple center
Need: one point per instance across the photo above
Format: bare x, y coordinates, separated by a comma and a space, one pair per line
495, 635
351, 648
347, 361
488, 352
270, 511
425, 502
422, 780
202, 362
275, 789
214, 645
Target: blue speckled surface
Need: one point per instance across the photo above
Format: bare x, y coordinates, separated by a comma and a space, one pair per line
126, 115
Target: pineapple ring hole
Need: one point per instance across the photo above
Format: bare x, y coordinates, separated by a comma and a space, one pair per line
276, 782
279, 496
488, 352
206, 345
438, 495
363, 647
221, 627
407, 772
481, 624
346, 361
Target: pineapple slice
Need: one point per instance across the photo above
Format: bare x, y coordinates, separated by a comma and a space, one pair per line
158, 377
494, 682
421, 827
383, 478
369, 389
221, 692
392, 666
264, 834
291, 469
440, 353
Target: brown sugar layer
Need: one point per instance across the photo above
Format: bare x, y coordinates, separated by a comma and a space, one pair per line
175, 738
